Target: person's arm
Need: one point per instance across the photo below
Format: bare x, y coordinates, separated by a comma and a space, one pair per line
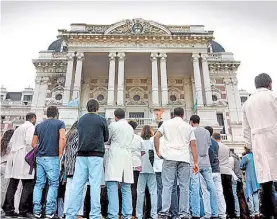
243, 163
35, 138
106, 131
62, 139
194, 152
246, 130
29, 137
157, 136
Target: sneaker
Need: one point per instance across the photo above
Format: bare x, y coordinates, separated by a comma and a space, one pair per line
11, 214
25, 215
51, 216
37, 215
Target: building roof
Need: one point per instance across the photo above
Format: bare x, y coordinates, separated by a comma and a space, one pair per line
14, 96
216, 47
56, 45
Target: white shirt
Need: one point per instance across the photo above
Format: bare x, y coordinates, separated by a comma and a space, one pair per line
136, 149
177, 137
224, 161
146, 165
158, 162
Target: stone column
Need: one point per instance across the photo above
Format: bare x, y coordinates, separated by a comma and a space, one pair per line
68, 78
155, 86
197, 79
78, 76
164, 79
41, 98
207, 81
120, 81
110, 101
36, 93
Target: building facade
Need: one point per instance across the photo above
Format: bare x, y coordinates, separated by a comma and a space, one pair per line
145, 67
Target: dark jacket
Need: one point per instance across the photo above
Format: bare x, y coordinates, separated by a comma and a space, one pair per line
213, 155
93, 133
237, 169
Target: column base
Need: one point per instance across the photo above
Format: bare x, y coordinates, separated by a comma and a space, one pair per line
207, 116
69, 115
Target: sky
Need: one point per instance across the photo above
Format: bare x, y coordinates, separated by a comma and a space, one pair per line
247, 29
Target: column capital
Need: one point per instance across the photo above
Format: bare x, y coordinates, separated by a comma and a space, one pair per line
154, 56
80, 56
44, 79
204, 57
195, 57
112, 55
121, 55
163, 56
70, 56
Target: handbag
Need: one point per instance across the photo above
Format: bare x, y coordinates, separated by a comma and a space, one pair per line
30, 158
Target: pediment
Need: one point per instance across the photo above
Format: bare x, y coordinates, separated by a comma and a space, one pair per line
137, 27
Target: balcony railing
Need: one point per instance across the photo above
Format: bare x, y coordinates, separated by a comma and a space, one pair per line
224, 137
144, 121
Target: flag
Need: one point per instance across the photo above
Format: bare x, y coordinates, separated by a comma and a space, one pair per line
73, 102
194, 108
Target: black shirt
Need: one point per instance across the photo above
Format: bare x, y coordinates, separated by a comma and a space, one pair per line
93, 132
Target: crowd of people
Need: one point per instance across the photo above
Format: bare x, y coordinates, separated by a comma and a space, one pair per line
181, 170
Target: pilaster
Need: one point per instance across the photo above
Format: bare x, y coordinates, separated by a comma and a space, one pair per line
155, 88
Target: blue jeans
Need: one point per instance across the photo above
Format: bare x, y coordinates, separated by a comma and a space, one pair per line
237, 207
170, 170
174, 197
86, 169
254, 204
46, 167
211, 208
149, 180
113, 208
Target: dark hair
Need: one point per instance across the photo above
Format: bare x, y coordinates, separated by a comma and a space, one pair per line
263, 80
210, 129
146, 132
52, 111
29, 116
92, 106
179, 111
216, 136
247, 150
134, 124
160, 124
195, 119
5, 141
119, 113
71, 130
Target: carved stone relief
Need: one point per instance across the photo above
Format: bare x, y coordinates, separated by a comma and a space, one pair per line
136, 96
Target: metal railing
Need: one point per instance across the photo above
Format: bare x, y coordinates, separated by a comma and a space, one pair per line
144, 121
224, 137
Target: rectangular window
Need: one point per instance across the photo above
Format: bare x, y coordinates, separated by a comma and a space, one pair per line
136, 115
27, 98
220, 121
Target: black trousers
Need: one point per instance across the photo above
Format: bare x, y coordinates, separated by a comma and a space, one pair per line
228, 194
26, 199
244, 211
268, 201
134, 192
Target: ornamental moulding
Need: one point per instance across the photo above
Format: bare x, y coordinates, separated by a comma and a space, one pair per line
57, 66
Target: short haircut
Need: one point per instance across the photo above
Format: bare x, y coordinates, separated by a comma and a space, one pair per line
160, 124
134, 124
263, 80
179, 111
119, 113
195, 119
92, 106
210, 129
217, 136
52, 111
29, 116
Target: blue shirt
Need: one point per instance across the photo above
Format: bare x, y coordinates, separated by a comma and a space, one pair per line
48, 135
213, 155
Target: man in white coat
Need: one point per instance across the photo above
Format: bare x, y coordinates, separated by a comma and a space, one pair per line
260, 133
18, 169
119, 167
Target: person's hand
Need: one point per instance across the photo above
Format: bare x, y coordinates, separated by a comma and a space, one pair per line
196, 168
159, 154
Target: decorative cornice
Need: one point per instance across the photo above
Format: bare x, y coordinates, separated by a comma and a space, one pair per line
226, 68
50, 66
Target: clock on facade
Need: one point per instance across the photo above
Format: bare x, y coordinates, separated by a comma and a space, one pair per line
137, 28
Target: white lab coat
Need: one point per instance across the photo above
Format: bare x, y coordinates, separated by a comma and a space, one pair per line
21, 144
260, 132
119, 159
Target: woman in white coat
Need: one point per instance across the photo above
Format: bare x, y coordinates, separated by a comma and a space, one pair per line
260, 133
119, 168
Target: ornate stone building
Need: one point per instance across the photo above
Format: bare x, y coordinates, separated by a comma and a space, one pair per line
146, 68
